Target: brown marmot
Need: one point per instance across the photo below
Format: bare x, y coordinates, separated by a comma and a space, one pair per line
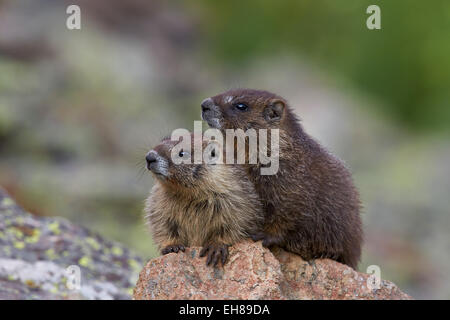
311, 205
210, 205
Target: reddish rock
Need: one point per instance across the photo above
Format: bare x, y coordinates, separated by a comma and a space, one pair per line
254, 272
328, 279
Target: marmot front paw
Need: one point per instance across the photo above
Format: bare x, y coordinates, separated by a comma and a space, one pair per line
267, 239
173, 248
216, 253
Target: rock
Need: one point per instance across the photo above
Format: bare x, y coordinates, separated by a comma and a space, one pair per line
251, 272
254, 272
36, 252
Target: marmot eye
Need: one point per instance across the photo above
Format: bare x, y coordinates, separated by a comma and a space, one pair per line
241, 106
182, 153
213, 153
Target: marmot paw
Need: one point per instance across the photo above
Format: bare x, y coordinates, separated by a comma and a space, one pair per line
216, 253
267, 239
173, 248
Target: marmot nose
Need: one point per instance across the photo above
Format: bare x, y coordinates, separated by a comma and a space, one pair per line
150, 158
207, 104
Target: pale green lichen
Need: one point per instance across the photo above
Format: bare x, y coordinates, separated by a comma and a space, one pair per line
7, 202
93, 243
54, 289
134, 264
85, 261
16, 233
19, 244
36, 235
117, 251
54, 227
50, 253
130, 291
7, 251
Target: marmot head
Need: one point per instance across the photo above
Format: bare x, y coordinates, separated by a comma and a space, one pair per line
174, 166
244, 109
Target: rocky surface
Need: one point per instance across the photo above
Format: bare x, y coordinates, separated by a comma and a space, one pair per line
36, 252
254, 272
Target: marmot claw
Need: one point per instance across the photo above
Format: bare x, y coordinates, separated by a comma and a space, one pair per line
173, 248
216, 253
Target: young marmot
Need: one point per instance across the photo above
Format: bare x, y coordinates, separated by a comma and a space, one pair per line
210, 205
311, 205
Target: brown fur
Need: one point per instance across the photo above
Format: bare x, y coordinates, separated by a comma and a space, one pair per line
311, 205
202, 205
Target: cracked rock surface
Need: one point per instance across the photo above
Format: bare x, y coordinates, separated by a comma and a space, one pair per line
254, 272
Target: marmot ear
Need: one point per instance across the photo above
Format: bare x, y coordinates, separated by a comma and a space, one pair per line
274, 111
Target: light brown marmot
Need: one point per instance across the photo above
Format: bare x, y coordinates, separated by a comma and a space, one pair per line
209, 205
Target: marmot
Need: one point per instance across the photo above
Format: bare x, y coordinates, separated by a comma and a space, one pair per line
210, 205
311, 205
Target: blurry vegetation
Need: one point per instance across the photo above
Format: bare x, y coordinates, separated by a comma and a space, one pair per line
406, 64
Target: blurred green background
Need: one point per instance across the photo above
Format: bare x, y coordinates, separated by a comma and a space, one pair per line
80, 108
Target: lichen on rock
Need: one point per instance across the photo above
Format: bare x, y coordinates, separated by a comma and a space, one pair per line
36, 252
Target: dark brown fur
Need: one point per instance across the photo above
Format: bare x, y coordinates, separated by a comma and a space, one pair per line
311, 205
200, 205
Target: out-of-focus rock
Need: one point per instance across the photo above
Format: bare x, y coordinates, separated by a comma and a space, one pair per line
35, 254
254, 272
